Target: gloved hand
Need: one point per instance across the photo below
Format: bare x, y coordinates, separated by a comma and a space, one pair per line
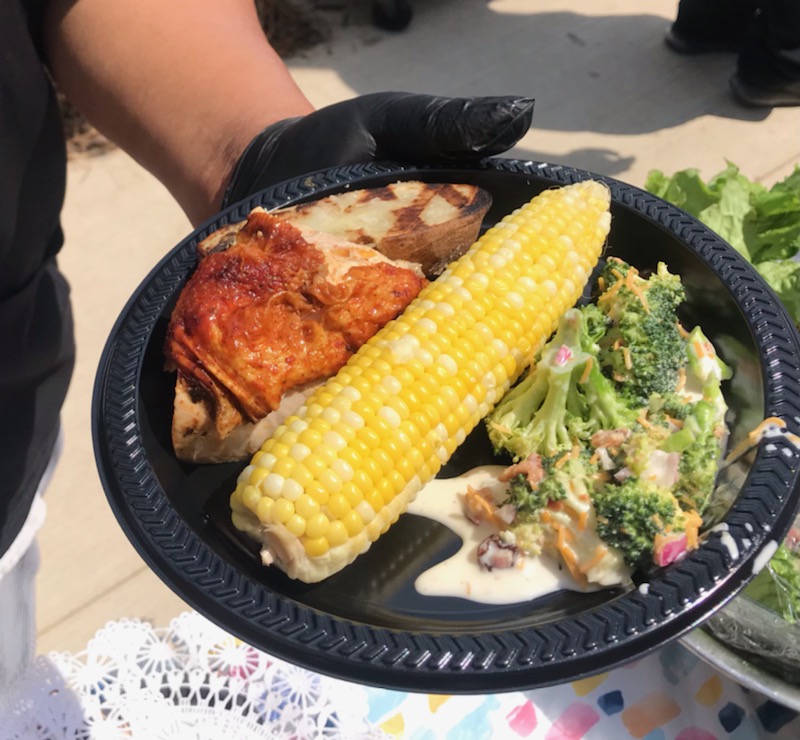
396, 126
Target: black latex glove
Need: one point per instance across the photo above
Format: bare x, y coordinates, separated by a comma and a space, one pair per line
396, 126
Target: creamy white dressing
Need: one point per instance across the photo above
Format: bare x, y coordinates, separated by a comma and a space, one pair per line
461, 575
764, 556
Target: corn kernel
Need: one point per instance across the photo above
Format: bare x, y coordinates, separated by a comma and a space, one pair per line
283, 510
264, 509
296, 525
316, 548
317, 526
306, 506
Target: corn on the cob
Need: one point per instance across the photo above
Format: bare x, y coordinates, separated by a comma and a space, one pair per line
336, 475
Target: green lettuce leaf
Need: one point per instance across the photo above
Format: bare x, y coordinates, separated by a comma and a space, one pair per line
783, 277
777, 586
762, 224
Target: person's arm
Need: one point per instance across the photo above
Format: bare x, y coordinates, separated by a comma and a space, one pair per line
182, 86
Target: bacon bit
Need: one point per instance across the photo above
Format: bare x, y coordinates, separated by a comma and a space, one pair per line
599, 553
586, 370
681, 380
530, 467
478, 508
583, 518
610, 437
684, 334
555, 506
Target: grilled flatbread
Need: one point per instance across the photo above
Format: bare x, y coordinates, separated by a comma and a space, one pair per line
428, 223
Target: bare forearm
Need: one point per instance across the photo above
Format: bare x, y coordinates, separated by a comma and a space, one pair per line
182, 86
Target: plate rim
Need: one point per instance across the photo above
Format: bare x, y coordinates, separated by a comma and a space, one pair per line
466, 662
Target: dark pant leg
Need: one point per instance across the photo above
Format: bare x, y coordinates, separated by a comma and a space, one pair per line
780, 23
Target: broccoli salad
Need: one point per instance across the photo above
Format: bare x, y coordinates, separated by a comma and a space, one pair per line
614, 437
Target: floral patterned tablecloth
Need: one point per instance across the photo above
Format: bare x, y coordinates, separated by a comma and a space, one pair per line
193, 681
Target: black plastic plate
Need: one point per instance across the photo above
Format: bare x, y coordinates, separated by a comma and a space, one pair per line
367, 623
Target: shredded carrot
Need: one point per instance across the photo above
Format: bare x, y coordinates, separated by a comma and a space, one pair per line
636, 290
596, 559
681, 330
566, 456
754, 436
626, 356
545, 516
586, 370
643, 421
582, 519
693, 523
609, 293
678, 423
616, 344
566, 551
699, 349
601, 283
594, 458
561, 460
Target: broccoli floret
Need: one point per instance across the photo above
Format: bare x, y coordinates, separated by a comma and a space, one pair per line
553, 486
595, 324
530, 500
698, 473
670, 405
643, 349
563, 398
630, 516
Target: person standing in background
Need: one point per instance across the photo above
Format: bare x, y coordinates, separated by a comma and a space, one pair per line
764, 33
194, 93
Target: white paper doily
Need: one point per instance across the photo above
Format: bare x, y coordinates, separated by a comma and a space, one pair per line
189, 681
